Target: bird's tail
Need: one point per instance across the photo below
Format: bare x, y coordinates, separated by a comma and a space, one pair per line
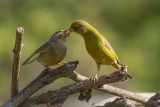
28, 61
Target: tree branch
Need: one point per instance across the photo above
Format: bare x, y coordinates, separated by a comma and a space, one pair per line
154, 101
111, 89
16, 60
59, 96
119, 102
112, 99
46, 77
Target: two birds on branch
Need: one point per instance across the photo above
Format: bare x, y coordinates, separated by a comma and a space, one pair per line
54, 50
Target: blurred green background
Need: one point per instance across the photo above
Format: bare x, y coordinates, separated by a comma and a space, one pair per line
131, 26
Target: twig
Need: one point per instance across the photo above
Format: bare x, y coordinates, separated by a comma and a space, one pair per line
16, 60
111, 99
111, 89
45, 78
59, 96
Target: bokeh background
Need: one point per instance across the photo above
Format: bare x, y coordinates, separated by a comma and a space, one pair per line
131, 26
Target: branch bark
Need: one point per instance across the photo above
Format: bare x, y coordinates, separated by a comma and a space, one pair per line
111, 89
58, 96
46, 77
16, 60
154, 101
111, 99
120, 102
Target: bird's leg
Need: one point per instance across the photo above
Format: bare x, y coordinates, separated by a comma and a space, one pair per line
95, 78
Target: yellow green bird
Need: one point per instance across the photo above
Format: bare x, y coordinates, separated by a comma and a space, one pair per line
96, 44
51, 52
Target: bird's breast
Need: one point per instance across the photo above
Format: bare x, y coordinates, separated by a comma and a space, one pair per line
54, 54
98, 54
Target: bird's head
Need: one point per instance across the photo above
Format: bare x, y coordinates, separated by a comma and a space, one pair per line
60, 35
80, 27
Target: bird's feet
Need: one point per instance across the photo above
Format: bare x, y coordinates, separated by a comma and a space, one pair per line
95, 78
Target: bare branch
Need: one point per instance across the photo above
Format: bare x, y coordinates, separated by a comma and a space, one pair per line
60, 95
111, 99
16, 60
119, 102
46, 77
111, 89
154, 101
57, 97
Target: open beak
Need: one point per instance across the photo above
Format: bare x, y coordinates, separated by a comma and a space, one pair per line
67, 32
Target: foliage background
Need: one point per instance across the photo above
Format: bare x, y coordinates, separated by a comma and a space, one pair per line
131, 26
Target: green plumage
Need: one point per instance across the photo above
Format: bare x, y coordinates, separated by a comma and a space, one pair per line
97, 46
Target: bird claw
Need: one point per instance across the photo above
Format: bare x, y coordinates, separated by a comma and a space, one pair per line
95, 78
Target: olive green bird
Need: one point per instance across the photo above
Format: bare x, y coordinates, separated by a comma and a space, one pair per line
96, 44
52, 52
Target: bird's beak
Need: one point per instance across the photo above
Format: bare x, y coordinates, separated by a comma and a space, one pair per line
66, 32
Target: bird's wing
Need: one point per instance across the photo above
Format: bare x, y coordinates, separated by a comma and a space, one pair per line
107, 44
41, 49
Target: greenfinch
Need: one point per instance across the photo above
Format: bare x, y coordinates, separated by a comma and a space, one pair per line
51, 52
96, 44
